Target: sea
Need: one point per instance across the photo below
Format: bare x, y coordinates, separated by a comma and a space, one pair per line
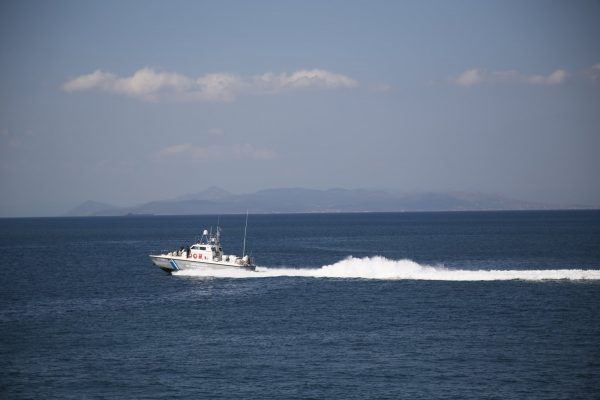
444, 305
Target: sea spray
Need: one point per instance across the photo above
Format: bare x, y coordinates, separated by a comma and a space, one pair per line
385, 269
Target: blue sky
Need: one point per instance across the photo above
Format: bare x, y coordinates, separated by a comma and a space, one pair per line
125, 102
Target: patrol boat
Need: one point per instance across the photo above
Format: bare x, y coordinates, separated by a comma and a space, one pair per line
205, 254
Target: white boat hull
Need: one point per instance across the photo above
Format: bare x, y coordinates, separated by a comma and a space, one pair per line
177, 263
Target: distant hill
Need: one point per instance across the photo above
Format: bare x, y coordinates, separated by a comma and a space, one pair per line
215, 200
212, 193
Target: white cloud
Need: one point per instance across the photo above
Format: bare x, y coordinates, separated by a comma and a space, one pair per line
144, 83
97, 79
315, 78
469, 77
555, 78
216, 87
477, 76
215, 152
148, 84
594, 73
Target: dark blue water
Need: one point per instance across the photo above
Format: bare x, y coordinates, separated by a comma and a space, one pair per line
84, 313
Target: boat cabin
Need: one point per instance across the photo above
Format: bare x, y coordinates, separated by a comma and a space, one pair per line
204, 251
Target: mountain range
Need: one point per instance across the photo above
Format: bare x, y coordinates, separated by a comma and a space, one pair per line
215, 200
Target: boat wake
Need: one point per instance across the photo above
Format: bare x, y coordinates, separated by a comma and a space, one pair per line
385, 269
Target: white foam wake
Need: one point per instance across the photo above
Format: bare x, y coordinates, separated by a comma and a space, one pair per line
385, 269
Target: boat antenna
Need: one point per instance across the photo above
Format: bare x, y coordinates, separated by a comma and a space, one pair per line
245, 229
